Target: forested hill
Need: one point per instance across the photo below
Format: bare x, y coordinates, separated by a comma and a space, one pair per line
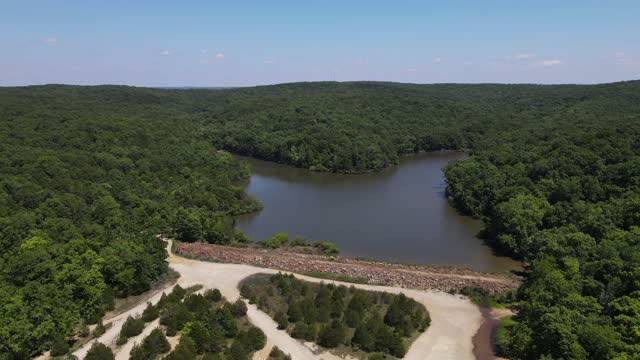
356, 127
362, 126
89, 175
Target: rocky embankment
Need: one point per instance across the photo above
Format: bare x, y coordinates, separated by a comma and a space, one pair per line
377, 273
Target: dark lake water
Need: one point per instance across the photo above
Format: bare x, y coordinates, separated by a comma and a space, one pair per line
400, 214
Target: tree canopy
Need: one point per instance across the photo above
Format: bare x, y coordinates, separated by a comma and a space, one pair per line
88, 178
90, 175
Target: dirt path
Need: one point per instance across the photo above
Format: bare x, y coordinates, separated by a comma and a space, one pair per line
111, 335
454, 319
483, 348
376, 273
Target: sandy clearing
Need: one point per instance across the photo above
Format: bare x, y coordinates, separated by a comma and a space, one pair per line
454, 319
173, 341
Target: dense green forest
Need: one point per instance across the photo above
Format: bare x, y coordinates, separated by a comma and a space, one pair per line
336, 316
565, 196
90, 175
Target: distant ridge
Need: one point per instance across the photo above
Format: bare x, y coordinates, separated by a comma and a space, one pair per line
194, 87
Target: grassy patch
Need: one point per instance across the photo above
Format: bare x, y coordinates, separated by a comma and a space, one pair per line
336, 277
487, 298
502, 337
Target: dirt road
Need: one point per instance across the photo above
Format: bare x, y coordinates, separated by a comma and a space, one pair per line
454, 319
376, 273
111, 335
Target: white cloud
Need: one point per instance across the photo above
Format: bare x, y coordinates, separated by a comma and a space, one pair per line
268, 62
361, 62
220, 56
551, 62
166, 52
50, 40
518, 56
412, 70
619, 54
204, 61
437, 60
203, 51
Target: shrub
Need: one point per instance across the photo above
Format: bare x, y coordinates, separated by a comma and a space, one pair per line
202, 337
237, 351
156, 342
99, 351
99, 330
282, 320
295, 312
213, 295
83, 329
332, 335
175, 296
186, 350
247, 292
327, 248
256, 339
150, 313
363, 338
239, 308
277, 240
212, 356
138, 352
59, 345
277, 354
299, 330
121, 340
197, 304
227, 322
503, 335
175, 317
300, 241
131, 327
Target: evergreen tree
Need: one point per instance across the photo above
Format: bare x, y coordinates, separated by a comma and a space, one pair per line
332, 334
99, 351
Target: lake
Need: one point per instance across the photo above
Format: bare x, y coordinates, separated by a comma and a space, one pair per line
399, 214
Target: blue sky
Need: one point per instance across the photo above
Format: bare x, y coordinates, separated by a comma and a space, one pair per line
241, 43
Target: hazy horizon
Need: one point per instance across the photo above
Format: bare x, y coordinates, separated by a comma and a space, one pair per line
250, 43
213, 87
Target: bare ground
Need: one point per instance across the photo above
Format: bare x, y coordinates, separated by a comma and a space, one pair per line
455, 319
377, 273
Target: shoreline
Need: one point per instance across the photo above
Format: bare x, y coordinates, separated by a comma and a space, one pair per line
483, 339
446, 279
